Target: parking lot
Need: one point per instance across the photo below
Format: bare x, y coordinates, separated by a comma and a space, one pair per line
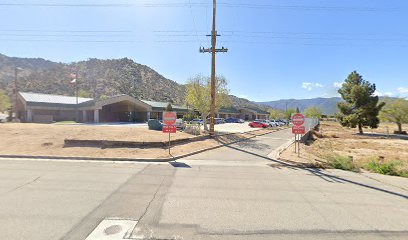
233, 127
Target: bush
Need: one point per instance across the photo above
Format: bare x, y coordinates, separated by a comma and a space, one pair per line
343, 162
193, 129
388, 168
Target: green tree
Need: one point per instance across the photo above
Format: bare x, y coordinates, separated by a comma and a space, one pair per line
198, 95
313, 112
169, 108
395, 111
4, 101
360, 107
289, 113
276, 114
84, 94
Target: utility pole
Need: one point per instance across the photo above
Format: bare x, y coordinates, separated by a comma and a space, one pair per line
15, 93
213, 51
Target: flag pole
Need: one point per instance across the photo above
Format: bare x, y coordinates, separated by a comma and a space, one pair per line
76, 94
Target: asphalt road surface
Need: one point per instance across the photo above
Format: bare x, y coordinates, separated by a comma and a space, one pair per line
230, 193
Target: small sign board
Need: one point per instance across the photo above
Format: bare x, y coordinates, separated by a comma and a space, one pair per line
169, 118
169, 129
298, 119
298, 130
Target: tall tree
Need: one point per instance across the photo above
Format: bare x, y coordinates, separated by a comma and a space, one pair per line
360, 106
297, 110
313, 112
395, 111
4, 101
198, 95
289, 113
169, 108
276, 114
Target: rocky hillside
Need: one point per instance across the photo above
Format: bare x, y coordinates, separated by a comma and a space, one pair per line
97, 77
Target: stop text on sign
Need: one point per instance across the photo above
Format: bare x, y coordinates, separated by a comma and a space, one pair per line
298, 119
169, 118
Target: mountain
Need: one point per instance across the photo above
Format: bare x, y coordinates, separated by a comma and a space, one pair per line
327, 105
97, 77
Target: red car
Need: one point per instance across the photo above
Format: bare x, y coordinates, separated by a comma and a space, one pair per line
258, 125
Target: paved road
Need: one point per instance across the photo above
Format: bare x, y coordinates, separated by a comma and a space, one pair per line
235, 195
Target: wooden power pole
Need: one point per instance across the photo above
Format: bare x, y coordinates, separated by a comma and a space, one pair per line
213, 51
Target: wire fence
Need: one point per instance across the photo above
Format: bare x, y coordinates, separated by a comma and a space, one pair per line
310, 123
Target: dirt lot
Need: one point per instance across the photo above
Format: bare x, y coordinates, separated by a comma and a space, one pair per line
333, 139
48, 140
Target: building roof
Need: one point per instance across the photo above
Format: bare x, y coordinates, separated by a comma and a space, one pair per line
50, 98
163, 105
229, 110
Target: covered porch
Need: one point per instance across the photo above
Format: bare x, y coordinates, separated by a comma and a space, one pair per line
117, 109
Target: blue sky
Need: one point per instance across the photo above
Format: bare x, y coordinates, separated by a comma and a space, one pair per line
277, 49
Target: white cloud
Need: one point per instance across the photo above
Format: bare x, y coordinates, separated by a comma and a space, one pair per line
309, 86
338, 84
403, 90
377, 93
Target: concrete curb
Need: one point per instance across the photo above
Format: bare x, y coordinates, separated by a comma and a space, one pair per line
275, 154
169, 159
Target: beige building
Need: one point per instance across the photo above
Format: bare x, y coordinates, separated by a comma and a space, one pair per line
46, 108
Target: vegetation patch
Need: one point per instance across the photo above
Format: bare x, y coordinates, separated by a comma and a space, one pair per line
387, 168
342, 162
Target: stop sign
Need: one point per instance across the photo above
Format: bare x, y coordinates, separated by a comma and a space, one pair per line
298, 119
169, 118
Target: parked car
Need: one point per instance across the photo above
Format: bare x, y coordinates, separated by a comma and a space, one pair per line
276, 122
234, 120
256, 124
219, 120
197, 121
216, 120
180, 124
270, 124
155, 124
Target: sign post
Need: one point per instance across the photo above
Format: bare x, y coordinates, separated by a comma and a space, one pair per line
169, 119
298, 129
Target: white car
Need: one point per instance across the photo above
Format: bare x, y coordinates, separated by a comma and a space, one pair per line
180, 123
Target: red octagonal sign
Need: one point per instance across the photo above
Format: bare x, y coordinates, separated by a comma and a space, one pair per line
298, 119
169, 118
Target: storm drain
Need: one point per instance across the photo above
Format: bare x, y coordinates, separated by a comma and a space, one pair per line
113, 229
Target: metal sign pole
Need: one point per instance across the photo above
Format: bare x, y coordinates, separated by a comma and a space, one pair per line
295, 143
299, 145
169, 144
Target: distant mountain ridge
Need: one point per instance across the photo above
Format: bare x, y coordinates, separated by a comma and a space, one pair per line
327, 105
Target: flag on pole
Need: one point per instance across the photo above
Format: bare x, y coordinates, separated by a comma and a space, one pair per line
73, 78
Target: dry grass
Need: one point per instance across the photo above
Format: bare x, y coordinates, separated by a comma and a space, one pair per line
48, 140
335, 140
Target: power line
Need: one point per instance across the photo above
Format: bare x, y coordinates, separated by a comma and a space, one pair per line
64, 31
194, 23
206, 4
